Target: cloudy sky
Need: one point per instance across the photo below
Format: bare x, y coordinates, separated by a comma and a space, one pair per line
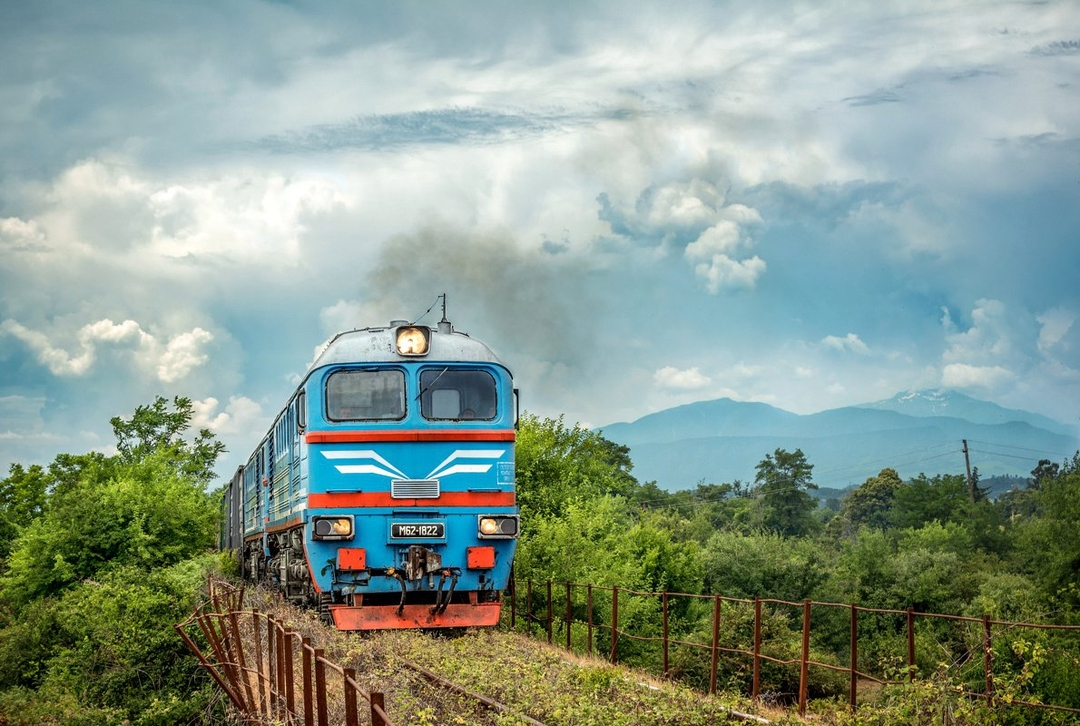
808, 204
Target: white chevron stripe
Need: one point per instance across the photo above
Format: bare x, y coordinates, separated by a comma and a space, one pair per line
463, 469
390, 470
466, 454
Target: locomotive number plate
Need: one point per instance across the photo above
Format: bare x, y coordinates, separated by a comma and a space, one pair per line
417, 530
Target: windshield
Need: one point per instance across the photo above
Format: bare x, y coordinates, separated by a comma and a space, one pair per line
457, 394
365, 395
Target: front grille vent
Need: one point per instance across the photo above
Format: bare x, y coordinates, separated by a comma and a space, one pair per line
414, 489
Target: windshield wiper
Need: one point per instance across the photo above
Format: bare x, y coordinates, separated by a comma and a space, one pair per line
428, 386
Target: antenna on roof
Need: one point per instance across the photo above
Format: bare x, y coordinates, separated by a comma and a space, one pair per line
444, 324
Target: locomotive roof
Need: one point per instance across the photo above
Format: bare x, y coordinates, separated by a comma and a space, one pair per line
376, 345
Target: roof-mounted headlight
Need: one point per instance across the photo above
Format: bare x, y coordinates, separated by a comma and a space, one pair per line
412, 340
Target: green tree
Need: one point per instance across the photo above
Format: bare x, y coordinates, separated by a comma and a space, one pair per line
146, 515
943, 498
155, 428
763, 565
22, 499
782, 482
108, 554
867, 505
557, 463
1049, 541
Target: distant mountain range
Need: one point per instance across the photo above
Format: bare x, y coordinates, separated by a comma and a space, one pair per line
913, 432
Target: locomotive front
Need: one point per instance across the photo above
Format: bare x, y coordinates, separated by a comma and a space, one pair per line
411, 502
397, 508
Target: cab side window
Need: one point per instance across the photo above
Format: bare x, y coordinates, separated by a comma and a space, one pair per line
365, 395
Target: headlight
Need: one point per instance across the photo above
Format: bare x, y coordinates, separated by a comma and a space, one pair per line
332, 528
497, 526
412, 340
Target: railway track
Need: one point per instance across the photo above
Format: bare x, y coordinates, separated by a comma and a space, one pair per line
281, 665
487, 703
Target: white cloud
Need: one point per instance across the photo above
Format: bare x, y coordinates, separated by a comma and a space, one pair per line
178, 357
1055, 323
850, 343
183, 353
993, 337
63, 363
962, 375
241, 415
670, 377
722, 272
111, 214
720, 239
342, 315
693, 204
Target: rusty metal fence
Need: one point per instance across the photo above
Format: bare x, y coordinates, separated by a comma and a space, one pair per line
272, 674
535, 605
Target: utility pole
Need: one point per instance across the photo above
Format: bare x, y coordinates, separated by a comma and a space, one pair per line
967, 463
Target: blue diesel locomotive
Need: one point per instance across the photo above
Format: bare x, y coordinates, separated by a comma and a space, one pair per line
384, 493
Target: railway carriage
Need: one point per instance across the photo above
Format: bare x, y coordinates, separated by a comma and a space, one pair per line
384, 492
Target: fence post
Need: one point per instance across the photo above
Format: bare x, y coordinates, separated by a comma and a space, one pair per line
988, 657
568, 614
756, 689
349, 681
528, 606
307, 650
715, 663
376, 717
320, 687
260, 683
665, 610
804, 663
241, 668
911, 644
290, 695
614, 622
513, 599
854, 685
273, 675
589, 607
550, 617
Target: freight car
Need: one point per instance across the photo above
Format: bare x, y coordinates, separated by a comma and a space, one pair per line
384, 492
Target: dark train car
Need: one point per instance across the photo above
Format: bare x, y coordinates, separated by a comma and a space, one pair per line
384, 493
